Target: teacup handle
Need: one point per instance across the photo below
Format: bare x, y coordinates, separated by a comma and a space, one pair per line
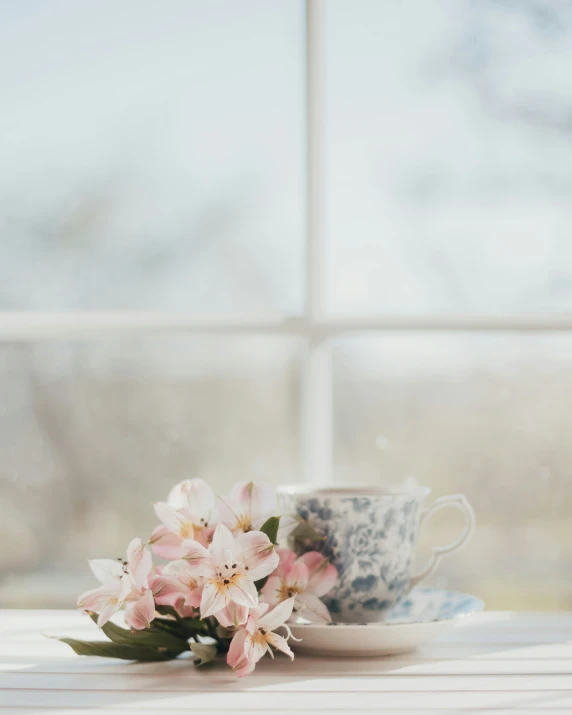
458, 501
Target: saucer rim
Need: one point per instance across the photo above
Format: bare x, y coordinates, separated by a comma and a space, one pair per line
478, 606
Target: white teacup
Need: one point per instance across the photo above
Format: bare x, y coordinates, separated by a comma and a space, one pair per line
371, 537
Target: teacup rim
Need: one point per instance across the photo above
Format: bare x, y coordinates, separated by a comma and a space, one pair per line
363, 490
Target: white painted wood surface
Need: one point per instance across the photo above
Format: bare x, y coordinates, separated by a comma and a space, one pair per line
493, 663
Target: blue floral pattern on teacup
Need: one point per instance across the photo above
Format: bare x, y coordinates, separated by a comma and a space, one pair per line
371, 541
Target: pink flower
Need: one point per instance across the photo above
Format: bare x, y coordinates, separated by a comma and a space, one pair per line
186, 611
230, 566
250, 643
178, 585
140, 613
110, 597
305, 579
189, 513
249, 505
166, 544
123, 580
141, 608
139, 564
232, 616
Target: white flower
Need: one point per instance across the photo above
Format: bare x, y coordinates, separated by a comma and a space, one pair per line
122, 580
230, 567
249, 505
189, 513
250, 643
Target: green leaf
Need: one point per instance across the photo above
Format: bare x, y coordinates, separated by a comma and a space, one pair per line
304, 531
305, 538
166, 625
107, 649
181, 627
167, 611
194, 626
204, 652
270, 528
150, 637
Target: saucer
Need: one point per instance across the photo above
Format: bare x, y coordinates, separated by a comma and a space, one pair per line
412, 622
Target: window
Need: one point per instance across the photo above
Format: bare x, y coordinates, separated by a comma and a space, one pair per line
448, 160
152, 161
318, 241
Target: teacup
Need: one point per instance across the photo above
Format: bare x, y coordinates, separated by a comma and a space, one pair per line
371, 537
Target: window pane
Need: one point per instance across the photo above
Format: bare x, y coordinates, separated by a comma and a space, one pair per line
449, 161
92, 434
487, 415
151, 155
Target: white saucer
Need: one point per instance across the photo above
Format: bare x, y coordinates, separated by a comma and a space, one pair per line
415, 620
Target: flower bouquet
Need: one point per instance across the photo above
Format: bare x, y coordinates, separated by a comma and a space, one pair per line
223, 585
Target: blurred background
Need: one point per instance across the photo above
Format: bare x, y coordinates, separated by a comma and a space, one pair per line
153, 158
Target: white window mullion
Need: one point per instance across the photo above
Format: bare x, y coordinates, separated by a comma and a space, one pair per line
317, 386
317, 412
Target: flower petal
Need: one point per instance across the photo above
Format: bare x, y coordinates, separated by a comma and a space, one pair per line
140, 563
272, 590
226, 513
198, 558
193, 597
259, 611
168, 515
277, 616
204, 535
255, 646
287, 558
106, 570
196, 496
181, 569
257, 553
323, 575
287, 525
167, 590
280, 643
222, 543
109, 610
246, 669
178, 495
232, 616
243, 592
310, 607
176, 520
190, 582
186, 611
296, 578
142, 612
97, 598
253, 499
125, 586
236, 657
165, 544
213, 598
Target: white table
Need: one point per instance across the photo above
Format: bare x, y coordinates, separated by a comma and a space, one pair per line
497, 663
